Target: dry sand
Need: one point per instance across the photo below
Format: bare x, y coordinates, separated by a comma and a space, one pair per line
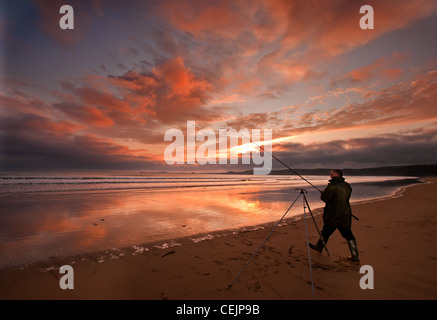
395, 236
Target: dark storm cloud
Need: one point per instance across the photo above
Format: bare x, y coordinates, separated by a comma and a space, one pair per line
413, 148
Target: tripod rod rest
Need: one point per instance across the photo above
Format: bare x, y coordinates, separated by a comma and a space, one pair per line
302, 190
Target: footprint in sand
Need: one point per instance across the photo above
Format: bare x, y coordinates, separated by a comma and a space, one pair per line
168, 253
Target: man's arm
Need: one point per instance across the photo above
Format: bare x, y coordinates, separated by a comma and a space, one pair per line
326, 195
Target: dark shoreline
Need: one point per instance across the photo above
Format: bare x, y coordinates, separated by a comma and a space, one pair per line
425, 170
392, 183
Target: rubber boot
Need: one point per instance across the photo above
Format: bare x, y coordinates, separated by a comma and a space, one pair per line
318, 247
354, 250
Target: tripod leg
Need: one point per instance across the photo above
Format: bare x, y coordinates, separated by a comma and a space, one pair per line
308, 245
260, 246
314, 220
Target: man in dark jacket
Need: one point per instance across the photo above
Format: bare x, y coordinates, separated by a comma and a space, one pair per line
337, 213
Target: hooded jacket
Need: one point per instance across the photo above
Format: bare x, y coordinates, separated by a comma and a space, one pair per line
337, 211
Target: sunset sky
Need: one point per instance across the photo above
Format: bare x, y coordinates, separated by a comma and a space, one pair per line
103, 95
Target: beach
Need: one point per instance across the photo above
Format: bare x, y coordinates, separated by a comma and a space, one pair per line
395, 236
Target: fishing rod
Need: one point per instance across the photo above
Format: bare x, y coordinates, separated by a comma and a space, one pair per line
288, 167
281, 162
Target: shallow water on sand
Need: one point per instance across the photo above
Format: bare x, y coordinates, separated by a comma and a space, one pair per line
61, 215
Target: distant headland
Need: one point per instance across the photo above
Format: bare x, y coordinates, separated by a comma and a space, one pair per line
408, 170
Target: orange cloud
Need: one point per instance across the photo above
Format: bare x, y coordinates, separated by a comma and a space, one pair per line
338, 28
400, 105
95, 98
232, 53
180, 80
315, 31
280, 42
54, 128
89, 116
383, 67
198, 17
43, 126
391, 73
134, 81
170, 93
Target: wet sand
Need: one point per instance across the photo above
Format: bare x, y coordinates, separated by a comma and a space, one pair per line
395, 236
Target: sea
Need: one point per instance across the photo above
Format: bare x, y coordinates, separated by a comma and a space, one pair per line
48, 215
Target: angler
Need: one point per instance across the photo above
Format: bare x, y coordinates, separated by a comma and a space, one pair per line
346, 190
337, 213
